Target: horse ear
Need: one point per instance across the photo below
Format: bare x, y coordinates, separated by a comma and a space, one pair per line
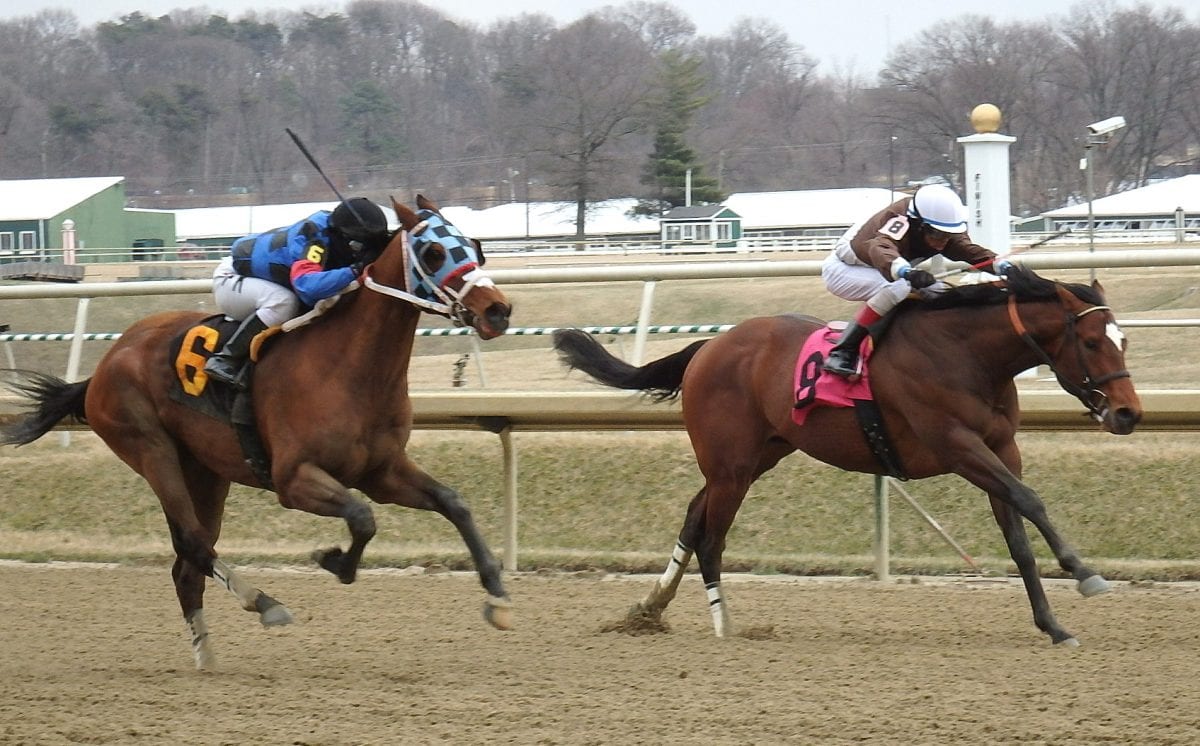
407, 217
1098, 287
1067, 298
479, 251
424, 203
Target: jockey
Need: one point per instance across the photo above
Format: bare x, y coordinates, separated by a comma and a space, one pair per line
873, 259
269, 278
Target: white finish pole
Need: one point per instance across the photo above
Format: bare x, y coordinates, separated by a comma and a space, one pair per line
989, 211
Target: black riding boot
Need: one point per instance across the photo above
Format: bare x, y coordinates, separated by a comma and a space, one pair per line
226, 365
843, 358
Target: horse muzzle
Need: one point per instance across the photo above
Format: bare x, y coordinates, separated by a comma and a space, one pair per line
493, 322
1122, 420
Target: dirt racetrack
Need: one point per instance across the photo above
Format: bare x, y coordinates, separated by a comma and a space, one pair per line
97, 654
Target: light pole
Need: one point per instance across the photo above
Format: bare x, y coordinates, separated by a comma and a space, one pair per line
1098, 133
891, 171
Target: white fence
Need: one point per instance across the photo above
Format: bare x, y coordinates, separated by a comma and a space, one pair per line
752, 241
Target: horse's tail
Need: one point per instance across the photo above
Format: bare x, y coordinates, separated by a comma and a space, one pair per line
53, 401
660, 378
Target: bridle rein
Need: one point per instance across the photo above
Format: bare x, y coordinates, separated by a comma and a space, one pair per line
1088, 391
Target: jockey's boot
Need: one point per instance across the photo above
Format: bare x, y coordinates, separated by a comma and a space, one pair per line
843, 358
226, 365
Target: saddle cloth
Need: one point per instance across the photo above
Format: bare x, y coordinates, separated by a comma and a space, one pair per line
187, 387
814, 387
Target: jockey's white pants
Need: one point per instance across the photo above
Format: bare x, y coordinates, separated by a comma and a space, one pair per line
237, 296
864, 282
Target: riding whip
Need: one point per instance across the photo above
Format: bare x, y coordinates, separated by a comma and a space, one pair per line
300, 144
1018, 250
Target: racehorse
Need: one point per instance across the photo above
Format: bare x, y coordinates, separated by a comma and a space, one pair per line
943, 380
330, 404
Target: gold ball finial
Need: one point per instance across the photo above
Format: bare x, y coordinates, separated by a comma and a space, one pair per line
985, 118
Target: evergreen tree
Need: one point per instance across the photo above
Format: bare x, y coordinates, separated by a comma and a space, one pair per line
666, 169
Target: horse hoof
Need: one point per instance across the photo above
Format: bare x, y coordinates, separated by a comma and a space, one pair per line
498, 612
276, 616
1069, 642
1093, 586
334, 560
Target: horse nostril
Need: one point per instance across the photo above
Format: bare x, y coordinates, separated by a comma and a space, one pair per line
497, 316
1125, 419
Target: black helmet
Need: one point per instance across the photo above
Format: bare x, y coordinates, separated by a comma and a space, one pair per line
361, 220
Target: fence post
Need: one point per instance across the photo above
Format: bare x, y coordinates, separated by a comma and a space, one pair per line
639, 341
73, 357
882, 543
510, 499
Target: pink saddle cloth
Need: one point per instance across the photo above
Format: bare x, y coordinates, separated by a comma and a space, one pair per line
814, 387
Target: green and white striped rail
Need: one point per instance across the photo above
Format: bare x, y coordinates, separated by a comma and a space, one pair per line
525, 331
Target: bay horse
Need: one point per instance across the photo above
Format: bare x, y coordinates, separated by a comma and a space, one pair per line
330, 404
943, 379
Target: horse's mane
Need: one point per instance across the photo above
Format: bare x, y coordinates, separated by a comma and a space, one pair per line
1020, 282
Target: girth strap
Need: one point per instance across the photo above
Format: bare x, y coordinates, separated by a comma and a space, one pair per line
871, 422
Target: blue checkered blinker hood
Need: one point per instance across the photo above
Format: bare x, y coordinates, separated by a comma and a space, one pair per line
461, 255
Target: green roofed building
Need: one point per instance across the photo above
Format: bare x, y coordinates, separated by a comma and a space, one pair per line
39, 218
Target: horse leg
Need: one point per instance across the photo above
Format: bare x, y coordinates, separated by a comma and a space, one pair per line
650, 609
192, 501
1013, 528
313, 490
724, 495
998, 474
1027, 502
407, 485
208, 493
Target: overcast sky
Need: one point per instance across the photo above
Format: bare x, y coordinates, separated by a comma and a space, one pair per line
854, 35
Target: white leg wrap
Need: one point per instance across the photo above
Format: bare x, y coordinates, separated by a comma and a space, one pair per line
202, 651
680, 557
232, 582
716, 605
665, 586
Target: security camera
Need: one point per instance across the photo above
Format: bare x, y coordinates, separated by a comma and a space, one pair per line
1106, 126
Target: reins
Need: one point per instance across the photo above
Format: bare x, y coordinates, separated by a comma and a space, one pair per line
1088, 392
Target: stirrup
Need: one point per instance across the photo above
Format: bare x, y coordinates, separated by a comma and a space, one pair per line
217, 368
836, 365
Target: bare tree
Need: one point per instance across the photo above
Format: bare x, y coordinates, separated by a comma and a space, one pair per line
588, 91
761, 85
1140, 64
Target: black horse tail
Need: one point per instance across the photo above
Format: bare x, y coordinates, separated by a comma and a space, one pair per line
660, 379
54, 400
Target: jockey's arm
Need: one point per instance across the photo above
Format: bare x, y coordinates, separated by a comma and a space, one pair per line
961, 248
881, 253
313, 283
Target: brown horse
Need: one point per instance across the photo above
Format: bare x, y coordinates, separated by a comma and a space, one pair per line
331, 407
943, 380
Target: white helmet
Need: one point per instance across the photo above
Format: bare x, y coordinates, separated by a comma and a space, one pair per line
939, 207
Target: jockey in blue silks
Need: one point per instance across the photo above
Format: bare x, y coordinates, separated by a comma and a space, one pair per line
270, 277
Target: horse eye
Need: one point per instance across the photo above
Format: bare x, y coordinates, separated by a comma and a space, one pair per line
1091, 344
433, 258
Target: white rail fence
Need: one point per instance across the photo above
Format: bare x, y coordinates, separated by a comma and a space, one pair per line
504, 413
772, 241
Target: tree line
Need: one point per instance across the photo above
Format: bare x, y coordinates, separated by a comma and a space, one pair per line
395, 97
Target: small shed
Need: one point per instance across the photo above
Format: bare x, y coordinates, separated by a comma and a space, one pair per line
709, 225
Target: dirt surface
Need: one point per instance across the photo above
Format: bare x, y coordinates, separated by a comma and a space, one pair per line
98, 655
